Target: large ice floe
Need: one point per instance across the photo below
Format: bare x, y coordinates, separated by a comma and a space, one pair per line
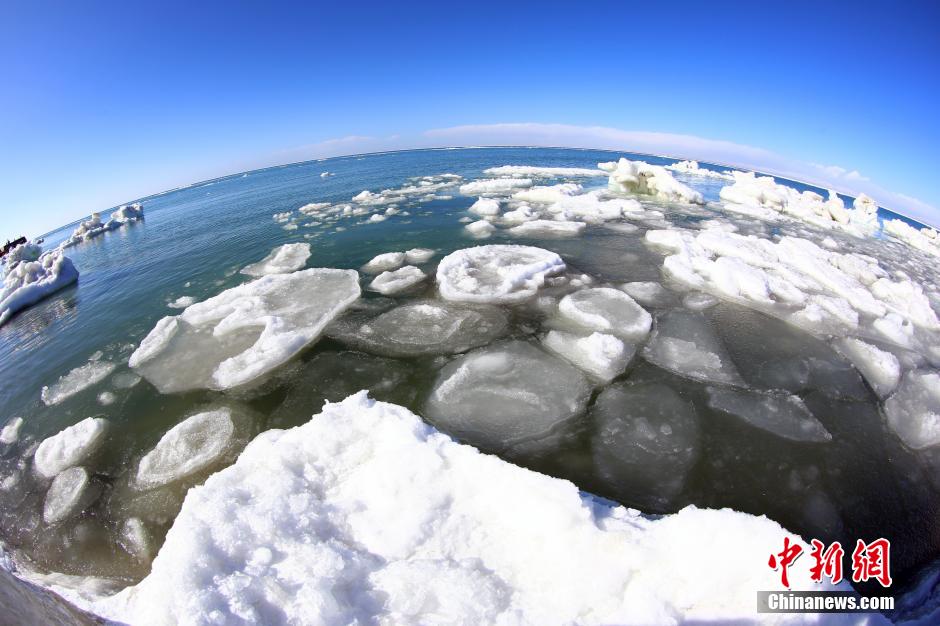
452, 536
26, 281
655, 180
244, 332
498, 274
282, 260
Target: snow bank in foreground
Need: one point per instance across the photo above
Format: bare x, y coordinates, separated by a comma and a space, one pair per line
325, 524
244, 332
282, 260
654, 180
31, 281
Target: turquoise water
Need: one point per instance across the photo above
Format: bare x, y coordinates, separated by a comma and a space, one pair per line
193, 241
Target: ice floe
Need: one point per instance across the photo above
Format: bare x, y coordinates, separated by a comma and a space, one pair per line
93, 226
547, 229
70, 492
418, 256
77, 380
485, 207
495, 186
317, 521
881, 369
498, 274
10, 433
777, 412
284, 259
480, 229
654, 180
606, 310
602, 356
683, 342
70, 447
191, 446
693, 168
384, 262
647, 293
504, 393
422, 327
913, 411
535, 171
388, 283
182, 302
30, 281
244, 332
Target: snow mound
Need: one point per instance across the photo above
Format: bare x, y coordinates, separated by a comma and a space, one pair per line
31, 281
780, 413
607, 310
384, 263
603, 357
536, 171
913, 411
70, 493
388, 283
495, 186
646, 440
506, 393
244, 332
498, 274
881, 369
314, 523
683, 343
77, 380
70, 447
282, 260
654, 180
423, 327
189, 447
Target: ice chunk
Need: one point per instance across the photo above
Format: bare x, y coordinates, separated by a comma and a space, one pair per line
182, 302
499, 274
683, 342
71, 492
524, 213
11, 431
128, 213
77, 380
495, 186
388, 283
244, 332
319, 521
881, 369
505, 393
284, 259
384, 263
602, 356
777, 412
71, 446
423, 327
23, 253
698, 301
189, 447
913, 411
417, 256
643, 178
645, 292
607, 310
549, 194
548, 229
535, 171
480, 229
646, 439
485, 207
135, 539
31, 281
693, 168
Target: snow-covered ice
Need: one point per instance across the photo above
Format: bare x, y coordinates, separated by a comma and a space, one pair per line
30, 281
654, 180
11, 431
602, 356
284, 259
880, 368
547, 229
536, 171
485, 207
480, 229
182, 302
694, 169
495, 186
498, 274
606, 310
418, 256
189, 447
778, 412
504, 393
384, 262
244, 332
70, 492
682, 342
71, 446
77, 380
913, 411
388, 283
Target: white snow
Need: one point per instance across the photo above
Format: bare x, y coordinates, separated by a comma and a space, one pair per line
606, 310
388, 283
417, 256
189, 447
70, 492
505, 393
499, 274
495, 186
31, 281
11, 431
536, 171
777, 412
244, 332
77, 380
913, 411
284, 259
683, 342
880, 368
71, 446
314, 523
654, 180
384, 263
480, 229
602, 356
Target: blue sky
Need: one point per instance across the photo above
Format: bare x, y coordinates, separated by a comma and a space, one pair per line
104, 102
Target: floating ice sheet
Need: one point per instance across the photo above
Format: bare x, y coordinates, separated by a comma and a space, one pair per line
77, 380
913, 411
71, 446
780, 413
388, 283
498, 274
682, 342
71, 491
31, 281
603, 357
607, 310
284, 259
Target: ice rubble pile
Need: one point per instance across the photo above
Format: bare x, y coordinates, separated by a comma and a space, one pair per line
282, 260
452, 536
692, 168
29, 281
654, 180
244, 332
925, 239
93, 226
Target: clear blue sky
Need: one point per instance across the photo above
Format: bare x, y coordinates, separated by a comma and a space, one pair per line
104, 102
